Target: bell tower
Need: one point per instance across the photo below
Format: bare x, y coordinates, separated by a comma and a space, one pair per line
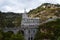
25, 14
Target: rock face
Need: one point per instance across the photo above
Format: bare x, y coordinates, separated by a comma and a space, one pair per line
30, 26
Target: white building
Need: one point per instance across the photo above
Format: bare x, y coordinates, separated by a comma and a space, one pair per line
30, 26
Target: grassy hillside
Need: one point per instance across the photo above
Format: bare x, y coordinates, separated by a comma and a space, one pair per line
45, 11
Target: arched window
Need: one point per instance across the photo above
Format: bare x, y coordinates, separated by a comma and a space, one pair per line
29, 38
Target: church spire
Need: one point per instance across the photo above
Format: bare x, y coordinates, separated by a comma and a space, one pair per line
25, 11
25, 14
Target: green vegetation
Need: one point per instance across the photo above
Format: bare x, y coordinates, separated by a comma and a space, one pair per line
50, 30
11, 36
10, 19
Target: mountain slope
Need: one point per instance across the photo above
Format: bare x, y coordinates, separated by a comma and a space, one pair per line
10, 19
49, 31
45, 11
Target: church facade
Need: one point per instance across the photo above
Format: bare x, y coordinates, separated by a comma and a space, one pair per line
30, 26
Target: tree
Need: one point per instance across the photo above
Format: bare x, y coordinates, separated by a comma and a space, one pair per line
1, 35
17, 37
58, 38
7, 35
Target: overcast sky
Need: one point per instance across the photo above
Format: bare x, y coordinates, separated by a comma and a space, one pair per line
20, 5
